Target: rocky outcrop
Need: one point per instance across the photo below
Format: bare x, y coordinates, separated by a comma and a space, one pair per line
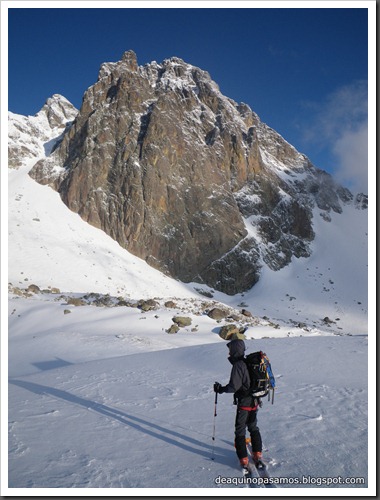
186, 178
33, 137
231, 332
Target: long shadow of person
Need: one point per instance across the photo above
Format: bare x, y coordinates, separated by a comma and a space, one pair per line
155, 430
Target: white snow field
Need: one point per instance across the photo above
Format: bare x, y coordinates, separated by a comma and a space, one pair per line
103, 401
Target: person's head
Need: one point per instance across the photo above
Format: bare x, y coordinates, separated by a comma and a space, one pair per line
236, 349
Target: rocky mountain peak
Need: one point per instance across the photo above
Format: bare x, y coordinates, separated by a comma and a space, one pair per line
33, 137
130, 59
58, 111
186, 178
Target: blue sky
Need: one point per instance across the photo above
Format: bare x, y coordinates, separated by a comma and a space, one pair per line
304, 71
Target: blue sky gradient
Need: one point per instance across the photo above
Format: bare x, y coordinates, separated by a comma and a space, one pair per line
304, 71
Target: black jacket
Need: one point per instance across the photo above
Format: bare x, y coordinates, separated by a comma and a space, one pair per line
239, 380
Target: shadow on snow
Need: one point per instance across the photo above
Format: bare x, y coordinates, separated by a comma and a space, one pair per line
220, 455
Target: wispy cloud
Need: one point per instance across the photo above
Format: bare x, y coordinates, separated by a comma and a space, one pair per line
340, 124
351, 151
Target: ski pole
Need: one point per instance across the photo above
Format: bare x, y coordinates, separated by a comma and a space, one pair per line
213, 431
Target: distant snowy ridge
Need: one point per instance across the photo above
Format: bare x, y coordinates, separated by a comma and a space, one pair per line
33, 137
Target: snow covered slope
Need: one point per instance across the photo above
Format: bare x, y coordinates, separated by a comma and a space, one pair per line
94, 404
50, 246
103, 397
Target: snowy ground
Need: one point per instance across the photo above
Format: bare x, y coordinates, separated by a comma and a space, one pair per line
104, 398
96, 406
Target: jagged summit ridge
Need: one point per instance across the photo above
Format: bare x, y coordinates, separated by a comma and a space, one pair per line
185, 178
30, 137
59, 111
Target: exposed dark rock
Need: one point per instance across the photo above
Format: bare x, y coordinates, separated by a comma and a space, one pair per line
231, 332
148, 305
247, 313
76, 301
182, 321
217, 313
186, 178
173, 329
170, 304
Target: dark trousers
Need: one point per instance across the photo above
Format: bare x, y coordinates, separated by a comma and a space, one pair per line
246, 419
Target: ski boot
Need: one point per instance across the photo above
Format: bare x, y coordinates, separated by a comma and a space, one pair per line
245, 466
257, 458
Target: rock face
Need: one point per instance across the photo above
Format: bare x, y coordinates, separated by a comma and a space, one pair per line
186, 178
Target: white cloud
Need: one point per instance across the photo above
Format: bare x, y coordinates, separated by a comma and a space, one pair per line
351, 151
340, 126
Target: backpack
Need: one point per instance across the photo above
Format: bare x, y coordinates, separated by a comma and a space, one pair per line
260, 374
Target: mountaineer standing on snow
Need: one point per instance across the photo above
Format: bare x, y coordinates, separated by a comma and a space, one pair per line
247, 405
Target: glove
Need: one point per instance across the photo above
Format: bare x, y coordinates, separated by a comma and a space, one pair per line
218, 388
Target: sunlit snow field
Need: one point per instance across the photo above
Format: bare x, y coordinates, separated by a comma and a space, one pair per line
103, 397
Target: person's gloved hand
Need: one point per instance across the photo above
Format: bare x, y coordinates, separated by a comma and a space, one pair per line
218, 388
